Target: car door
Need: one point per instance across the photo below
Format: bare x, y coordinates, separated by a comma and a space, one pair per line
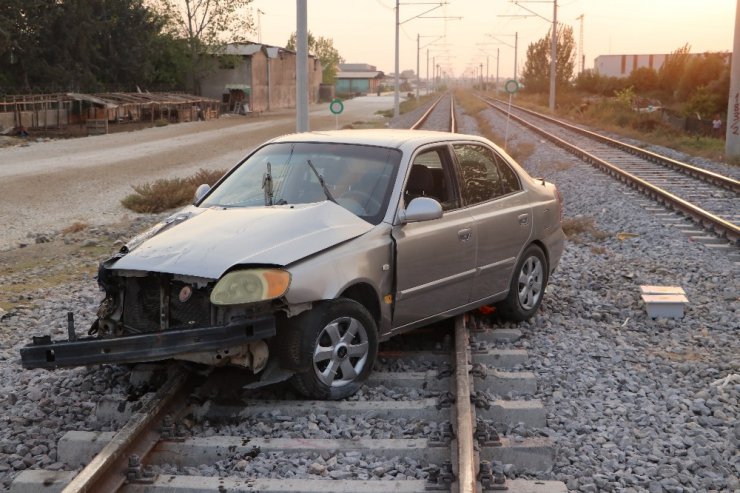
498, 204
435, 259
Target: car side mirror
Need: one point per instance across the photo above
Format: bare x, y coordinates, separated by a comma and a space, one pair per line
201, 191
421, 209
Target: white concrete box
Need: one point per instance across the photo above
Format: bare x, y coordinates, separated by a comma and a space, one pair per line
664, 301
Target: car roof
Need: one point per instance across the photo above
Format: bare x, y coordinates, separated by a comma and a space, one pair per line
395, 138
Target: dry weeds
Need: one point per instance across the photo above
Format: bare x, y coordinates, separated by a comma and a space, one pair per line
75, 227
170, 193
579, 226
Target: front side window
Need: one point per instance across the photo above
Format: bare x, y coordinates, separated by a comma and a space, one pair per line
430, 176
357, 177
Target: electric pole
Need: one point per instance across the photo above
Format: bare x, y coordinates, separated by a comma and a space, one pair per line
301, 69
732, 144
581, 55
554, 55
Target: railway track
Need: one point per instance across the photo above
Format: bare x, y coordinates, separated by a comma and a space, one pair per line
708, 199
440, 111
450, 411
441, 436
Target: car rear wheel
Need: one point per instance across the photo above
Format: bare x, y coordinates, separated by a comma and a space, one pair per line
340, 338
527, 286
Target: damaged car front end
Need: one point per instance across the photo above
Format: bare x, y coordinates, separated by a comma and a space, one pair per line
214, 283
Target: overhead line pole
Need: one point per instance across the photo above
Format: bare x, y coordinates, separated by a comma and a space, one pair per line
396, 93
301, 86
732, 134
553, 54
553, 44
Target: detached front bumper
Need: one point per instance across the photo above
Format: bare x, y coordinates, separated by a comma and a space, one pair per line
151, 346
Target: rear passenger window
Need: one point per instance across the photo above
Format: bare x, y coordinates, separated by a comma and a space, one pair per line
485, 175
509, 179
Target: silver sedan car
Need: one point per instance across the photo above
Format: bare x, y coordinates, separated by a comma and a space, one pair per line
316, 247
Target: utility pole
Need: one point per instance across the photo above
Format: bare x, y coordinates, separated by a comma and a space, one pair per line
581, 55
301, 76
515, 46
732, 134
418, 73
554, 55
497, 55
516, 49
396, 94
396, 110
553, 44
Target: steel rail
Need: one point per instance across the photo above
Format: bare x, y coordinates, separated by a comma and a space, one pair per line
107, 471
453, 120
714, 178
708, 220
425, 116
466, 463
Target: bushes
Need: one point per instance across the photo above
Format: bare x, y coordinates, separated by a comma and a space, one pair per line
168, 193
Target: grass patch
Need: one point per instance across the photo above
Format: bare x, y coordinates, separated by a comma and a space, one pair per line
409, 104
581, 226
474, 107
75, 227
521, 151
168, 193
608, 115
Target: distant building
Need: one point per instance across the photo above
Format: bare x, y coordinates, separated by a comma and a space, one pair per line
261, 76
357, 78
623, 65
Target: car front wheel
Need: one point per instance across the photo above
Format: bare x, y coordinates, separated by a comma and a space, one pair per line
527, 286
340, 338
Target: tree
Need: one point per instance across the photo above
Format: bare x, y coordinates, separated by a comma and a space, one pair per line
324, 50
643, 79
672, 70
206, 26
83, 45
536, 72
700, 71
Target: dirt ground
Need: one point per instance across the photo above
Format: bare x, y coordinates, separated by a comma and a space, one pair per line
47, 186
60, 199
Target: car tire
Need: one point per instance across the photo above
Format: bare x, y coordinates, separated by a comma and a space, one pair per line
335, 345
527, 286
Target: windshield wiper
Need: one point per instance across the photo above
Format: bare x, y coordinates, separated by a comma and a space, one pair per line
322, 182
267, 184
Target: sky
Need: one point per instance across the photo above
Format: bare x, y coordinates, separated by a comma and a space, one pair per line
468, 35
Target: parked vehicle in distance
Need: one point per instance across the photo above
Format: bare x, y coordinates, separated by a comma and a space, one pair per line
316, 247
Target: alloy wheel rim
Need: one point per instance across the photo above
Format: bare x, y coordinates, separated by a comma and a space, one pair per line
531, 279
341, 352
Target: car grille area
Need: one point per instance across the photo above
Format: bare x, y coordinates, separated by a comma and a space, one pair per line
185, 305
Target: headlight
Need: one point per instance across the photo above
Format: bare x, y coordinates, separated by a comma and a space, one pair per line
249, 286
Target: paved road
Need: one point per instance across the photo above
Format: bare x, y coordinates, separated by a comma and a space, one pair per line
47, 186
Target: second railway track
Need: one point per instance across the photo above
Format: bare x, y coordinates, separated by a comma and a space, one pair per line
708, 198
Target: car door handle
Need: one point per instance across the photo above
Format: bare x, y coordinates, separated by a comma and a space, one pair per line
465, 234
523, 219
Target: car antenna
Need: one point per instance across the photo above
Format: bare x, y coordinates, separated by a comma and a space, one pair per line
267, 184
322, 182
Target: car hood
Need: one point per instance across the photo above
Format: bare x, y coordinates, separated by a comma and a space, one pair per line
207, 242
